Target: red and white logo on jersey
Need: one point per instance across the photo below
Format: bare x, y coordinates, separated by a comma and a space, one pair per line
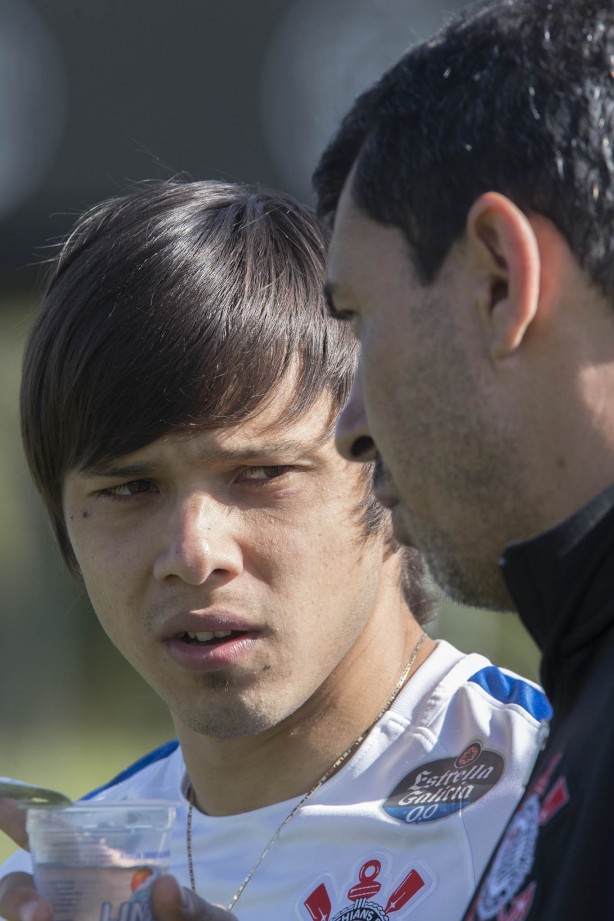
367, 896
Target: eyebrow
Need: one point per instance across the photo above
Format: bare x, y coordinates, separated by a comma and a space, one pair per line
118, 472
287, 446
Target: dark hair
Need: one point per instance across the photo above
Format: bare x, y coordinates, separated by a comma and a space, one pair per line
179, 307
176, 307
514, 96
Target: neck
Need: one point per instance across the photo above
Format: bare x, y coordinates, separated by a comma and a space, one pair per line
237, 775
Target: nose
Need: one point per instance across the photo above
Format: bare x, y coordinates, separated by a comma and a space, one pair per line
352, 436
198, 542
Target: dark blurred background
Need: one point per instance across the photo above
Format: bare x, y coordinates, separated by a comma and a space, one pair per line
93, 96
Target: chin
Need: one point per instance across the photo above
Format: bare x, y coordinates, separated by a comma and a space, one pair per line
228, 720
477, 589
400, 530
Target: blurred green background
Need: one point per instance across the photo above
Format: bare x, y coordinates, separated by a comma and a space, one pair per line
93, 96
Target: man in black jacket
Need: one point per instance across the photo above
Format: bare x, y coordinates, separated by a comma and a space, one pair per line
472, 191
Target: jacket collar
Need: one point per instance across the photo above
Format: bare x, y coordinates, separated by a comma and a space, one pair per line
562, 584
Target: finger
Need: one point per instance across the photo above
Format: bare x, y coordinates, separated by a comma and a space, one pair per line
13, 821
169, 902
19, 900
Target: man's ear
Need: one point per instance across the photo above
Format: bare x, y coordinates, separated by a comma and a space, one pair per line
506, 258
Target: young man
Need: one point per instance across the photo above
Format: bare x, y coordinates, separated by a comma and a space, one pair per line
180, 391
473, 253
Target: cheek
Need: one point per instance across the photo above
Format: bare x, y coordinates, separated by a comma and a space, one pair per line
93, 552
77, 518
314, 551
385, 405
117, 605
108, 568
379, 361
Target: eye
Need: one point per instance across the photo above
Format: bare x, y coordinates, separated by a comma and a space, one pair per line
264, 473
128, 490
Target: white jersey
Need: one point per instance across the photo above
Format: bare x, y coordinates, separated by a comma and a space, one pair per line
402, 831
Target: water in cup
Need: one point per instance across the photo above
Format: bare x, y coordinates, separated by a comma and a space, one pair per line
97, 861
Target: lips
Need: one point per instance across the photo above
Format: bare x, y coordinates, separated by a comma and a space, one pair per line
385, 495
209, 640
382, 485
388, 500
205, 636
205, 624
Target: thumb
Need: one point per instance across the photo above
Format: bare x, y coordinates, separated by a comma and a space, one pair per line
19, 900
170, 902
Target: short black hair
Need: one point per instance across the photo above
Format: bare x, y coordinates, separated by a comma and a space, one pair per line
514, 96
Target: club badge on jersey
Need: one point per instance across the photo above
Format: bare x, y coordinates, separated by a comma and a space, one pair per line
368, 901
501, 894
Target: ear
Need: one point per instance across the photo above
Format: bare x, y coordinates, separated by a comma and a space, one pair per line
506, 259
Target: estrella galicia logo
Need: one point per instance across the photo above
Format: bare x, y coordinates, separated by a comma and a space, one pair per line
439, 788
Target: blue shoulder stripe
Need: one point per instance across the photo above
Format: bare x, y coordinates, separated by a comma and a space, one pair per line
156, 755
511, 690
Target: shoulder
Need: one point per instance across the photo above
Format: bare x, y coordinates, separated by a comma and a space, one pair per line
472, 722
505, 688
456, 697
456, 675
156, 775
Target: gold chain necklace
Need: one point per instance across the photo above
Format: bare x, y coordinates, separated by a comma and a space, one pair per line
328, 773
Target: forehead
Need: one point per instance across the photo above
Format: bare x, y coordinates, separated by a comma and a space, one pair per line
274, 423
364, 256
270, 433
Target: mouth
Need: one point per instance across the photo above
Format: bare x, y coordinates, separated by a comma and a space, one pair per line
386, 499
209, 637
382, 483
228, 642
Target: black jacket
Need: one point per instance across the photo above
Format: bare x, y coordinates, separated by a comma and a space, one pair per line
555, 861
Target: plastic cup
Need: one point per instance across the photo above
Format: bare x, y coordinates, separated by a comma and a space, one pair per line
96, 861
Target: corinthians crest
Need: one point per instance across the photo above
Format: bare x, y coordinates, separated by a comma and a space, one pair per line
367, 900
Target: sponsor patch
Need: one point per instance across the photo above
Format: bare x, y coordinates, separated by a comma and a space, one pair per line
440, 788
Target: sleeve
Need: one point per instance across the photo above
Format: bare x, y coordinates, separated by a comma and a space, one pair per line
511, 717
19, 861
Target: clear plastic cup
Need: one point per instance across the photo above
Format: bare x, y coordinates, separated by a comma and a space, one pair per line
96, 861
